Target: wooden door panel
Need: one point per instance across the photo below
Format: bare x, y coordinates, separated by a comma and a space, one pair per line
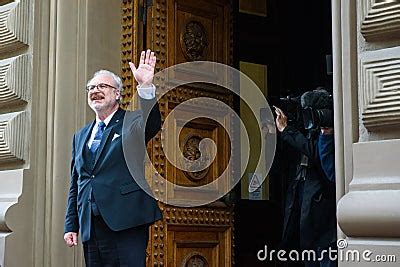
196, 31
188, 143
204, 246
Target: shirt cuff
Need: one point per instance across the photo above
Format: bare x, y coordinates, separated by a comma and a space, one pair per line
147, 92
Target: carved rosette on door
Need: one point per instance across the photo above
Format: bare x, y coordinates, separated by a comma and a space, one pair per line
194, 40
190, 150
195, 259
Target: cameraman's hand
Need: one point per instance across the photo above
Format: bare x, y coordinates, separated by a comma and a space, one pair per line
281, 119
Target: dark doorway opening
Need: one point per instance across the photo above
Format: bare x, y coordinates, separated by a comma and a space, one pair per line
293, 41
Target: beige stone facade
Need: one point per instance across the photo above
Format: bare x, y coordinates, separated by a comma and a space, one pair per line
49, 48
366, 48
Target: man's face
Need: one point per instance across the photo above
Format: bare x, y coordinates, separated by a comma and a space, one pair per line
104, 96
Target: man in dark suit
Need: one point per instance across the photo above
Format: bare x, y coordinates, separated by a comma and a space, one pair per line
105, 203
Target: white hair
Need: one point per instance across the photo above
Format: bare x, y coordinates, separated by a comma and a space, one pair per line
115, 77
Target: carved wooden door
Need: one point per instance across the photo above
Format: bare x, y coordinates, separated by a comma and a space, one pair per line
184, 31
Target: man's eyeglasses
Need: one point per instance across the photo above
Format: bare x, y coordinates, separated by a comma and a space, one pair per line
100, 86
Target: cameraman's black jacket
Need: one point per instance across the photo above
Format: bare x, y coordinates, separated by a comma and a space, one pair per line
315, 222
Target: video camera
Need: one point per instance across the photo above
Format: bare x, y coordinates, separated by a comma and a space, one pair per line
313, 108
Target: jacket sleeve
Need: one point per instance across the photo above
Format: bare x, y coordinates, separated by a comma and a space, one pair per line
151, 118
326, 152
296, 139
71, 217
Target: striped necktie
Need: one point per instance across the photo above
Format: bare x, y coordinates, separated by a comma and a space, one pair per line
97, 137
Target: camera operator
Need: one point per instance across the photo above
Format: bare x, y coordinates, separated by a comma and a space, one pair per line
310, 207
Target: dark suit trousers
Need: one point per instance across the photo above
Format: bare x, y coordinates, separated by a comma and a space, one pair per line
107, 248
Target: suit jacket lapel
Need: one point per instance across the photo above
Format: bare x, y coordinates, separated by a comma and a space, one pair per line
118, 116
85, 137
